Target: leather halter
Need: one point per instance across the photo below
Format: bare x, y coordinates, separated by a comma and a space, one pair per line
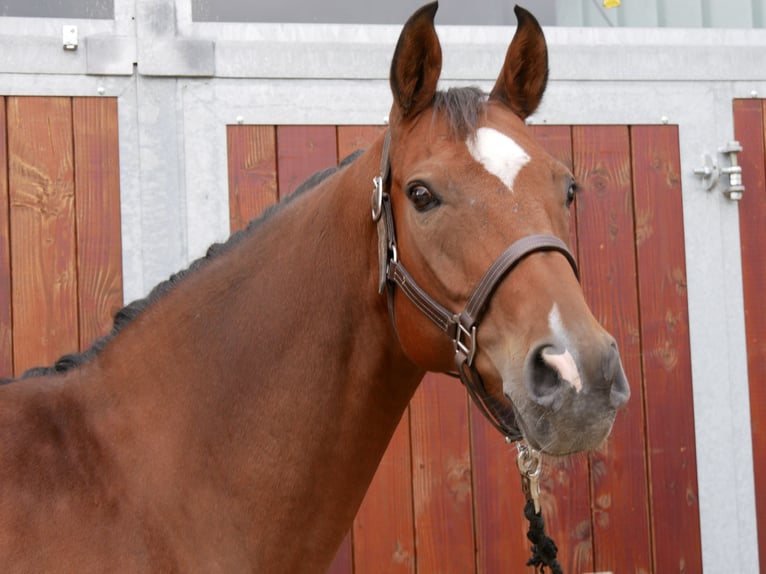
461, 327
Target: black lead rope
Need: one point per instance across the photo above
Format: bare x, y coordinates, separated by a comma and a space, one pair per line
544, 549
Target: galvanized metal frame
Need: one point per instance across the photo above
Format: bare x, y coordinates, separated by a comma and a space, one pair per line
179, 83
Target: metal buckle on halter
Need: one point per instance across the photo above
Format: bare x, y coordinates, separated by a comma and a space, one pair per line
377, 197
465, 341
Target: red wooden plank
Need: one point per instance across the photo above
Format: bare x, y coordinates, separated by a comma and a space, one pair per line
750, 131
43, 257
384, 531
99, 240
6, 332
619, 491
252, 158
499, 501
353, 138
441, 476
501, 529
565, 480
666, 354
384, 537
303, 151
557, 141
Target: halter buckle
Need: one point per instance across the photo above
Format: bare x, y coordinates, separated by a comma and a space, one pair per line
377, 197
465, 341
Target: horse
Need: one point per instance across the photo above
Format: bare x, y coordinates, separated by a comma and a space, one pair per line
233, 419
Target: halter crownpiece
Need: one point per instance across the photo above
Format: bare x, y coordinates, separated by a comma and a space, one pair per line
460, 327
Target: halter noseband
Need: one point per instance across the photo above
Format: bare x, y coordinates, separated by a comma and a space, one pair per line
461, 327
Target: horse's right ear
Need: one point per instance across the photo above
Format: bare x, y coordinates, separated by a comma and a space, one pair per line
417, 63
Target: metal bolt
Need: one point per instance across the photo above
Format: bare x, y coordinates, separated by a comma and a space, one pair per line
101, 90
664, 120
240, 120
385, 120
753, 94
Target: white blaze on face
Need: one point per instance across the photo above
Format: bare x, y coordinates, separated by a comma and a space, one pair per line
499, 154
563, 363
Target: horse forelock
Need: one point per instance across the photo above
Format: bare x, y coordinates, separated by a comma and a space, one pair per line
129, 312
461, 108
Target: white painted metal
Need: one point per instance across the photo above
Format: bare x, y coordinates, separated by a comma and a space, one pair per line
179, 83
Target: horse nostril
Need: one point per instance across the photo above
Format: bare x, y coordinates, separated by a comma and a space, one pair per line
614, 374
544, 380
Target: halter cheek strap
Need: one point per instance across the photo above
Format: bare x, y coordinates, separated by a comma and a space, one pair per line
460, 327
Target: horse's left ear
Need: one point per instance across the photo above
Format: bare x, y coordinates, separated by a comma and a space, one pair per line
522, 80
417, 63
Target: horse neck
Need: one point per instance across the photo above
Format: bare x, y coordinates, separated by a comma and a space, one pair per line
273, 369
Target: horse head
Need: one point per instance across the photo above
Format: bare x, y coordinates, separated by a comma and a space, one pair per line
466, 180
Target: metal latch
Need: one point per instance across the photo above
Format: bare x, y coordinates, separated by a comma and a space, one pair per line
711, 173
69, 37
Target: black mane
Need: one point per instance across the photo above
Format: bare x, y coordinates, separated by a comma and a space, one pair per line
462, 107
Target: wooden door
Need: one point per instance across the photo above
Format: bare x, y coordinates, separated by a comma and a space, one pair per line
60, 239
446, 497
750, 131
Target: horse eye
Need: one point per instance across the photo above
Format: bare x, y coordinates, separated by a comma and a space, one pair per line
422, 198
571, 193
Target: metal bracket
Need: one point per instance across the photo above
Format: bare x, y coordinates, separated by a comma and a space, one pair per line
734, 171
69, 37
708, 172
711, 173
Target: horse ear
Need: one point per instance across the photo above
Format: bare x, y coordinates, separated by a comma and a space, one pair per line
417, 63
522, 80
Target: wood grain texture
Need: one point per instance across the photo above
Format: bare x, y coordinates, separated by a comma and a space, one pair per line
301, 152
557, 141
252, 162
565, 490
43, 242
441, 477
750, 131
99, 237
384, 529
353, 138
666, 356
605, 229
6, 327
498, 500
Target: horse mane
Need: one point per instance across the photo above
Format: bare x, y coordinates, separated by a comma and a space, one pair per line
461, 107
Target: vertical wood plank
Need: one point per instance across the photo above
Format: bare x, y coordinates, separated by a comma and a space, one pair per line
252, 160
99, 239
501, 528
43, 251
557, 141
499, 501
619, 491
303, 151
441, 476
750, 131
565, 490
6, 331
666, 356
383, 532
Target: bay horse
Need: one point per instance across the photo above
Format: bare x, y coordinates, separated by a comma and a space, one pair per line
233, 420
